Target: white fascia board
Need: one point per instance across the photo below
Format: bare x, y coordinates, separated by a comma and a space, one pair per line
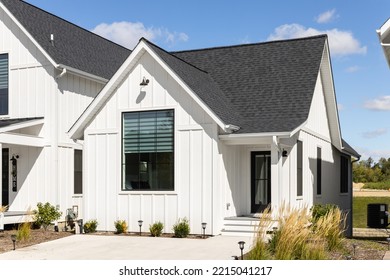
254, 135
76, 131
384, 32
28, 35
330, 99
22, 125
22, 140
193, 95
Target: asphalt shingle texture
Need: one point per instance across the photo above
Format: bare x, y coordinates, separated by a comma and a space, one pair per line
269, 85
73, 46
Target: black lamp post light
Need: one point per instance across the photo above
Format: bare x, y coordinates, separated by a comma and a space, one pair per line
13, 238
241, 244
354, 249
388, 242
140, 226
204, 229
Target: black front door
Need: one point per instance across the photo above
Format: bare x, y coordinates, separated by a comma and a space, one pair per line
260, 181
5, 178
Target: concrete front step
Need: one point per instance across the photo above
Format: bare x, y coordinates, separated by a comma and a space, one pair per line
240, 226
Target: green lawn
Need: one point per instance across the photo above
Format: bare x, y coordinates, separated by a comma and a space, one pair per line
360, 209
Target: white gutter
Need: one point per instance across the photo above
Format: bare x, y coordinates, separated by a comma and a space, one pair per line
62, 74
255, 135
231, 128
81, 73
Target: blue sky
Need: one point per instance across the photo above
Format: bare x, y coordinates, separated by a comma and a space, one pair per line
361, 74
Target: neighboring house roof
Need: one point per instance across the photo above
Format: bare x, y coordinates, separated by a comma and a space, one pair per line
73, 46
384, 38
269, 85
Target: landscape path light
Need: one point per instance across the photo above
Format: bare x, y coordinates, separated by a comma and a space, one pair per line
204, 229
140, 226
241, 244
13, 238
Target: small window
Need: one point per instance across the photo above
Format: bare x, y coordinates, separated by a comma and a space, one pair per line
319, 171
78, 172
299, 168
344, 174
3, 84
148, 151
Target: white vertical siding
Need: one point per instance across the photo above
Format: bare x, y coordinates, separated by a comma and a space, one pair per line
318, 116
195, 149
44, 174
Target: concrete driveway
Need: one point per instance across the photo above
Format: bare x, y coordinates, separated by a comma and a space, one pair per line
96, 247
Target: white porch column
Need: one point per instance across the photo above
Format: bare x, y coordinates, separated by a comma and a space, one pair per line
275, 174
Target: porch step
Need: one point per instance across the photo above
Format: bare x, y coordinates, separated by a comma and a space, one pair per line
244, 226
240, 226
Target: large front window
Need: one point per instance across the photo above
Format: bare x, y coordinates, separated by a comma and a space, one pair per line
147, 147
3, 84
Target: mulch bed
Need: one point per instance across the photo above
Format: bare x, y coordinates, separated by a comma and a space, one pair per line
37, 236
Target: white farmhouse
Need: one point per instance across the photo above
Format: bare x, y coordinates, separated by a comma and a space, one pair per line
213, 135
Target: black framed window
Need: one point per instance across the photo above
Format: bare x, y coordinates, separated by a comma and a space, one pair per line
148, 150
319, 171
344, 174
299, 168
78, 172
4, 84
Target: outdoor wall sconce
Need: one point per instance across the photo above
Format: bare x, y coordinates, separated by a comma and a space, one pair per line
144, 82
140, 226
284, 153
13, 238
241, 245
14, 172
204, 229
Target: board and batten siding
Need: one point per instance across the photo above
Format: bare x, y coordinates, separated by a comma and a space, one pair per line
195, 156
44, 174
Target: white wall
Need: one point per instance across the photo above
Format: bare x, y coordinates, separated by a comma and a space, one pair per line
44, 174
195, 153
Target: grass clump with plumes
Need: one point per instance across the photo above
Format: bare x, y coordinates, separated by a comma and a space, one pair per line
296, 235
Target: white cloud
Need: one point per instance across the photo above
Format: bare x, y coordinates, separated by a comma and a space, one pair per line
341, 42
374, 133
379, 104
327, 16
128, 33
352, 69
374, 154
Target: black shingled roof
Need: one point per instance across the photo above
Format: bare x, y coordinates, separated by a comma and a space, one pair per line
73, 46
269, 85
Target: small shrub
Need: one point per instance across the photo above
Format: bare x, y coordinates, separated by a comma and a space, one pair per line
46, 214
90, 226
156, 229
24, 232
181, 228
320, 210
121, 226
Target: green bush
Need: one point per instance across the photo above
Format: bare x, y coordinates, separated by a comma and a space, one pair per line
156, 229
377, 186
90, 226
181, 228
46, 214
121, 226
321, 210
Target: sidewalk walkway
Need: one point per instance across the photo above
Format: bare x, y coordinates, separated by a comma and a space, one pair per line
387, 256
95, 247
